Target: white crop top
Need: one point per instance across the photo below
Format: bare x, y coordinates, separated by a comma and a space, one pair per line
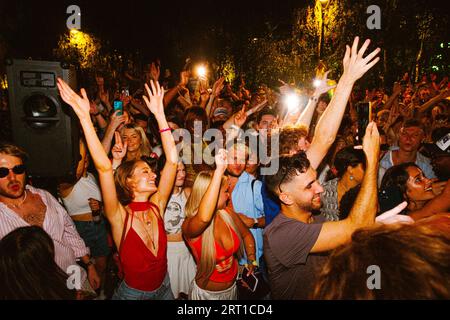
174, 215
77, 202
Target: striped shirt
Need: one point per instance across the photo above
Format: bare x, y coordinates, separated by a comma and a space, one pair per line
59, 226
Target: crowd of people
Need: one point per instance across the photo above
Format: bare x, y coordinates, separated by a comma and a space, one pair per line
171, 193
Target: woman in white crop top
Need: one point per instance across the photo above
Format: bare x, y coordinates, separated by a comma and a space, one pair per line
181, 265
81, 199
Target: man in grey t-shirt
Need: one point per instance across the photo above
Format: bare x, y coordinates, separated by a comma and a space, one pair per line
295, 241
289, 250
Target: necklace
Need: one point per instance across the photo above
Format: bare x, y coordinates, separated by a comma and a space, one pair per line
21, 202
148, 223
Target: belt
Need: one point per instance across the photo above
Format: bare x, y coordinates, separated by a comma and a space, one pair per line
83, 217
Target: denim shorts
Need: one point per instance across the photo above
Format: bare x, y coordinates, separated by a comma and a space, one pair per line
95, 236
124, 292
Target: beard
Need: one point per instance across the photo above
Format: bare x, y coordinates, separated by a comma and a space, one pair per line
312, 205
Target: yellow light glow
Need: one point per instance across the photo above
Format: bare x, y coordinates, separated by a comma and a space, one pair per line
4, 83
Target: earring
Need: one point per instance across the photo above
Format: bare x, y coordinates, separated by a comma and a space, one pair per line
351, 177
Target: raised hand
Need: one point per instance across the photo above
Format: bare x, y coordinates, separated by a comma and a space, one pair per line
240, 117
221, 160
117, 120
394, 216
93, 108
119, 150
323, 87
184, 78
156, 95
218, 87
154, 71
104, 96
256, 108
80, 105
355, 66
371, 143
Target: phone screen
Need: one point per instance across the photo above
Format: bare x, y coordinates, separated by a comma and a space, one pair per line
251, 280
118, 105
364, 112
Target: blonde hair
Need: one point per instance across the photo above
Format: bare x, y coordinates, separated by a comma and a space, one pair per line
145, 148
207, 261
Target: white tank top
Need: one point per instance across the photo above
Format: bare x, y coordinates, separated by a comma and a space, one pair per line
174, 215
77, 202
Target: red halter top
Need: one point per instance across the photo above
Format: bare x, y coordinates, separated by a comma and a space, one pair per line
221, 256
143, 271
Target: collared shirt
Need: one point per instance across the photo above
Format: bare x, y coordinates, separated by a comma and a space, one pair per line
249, 201
59, 226
421, 161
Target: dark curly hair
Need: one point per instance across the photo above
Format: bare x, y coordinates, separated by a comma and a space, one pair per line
289, 167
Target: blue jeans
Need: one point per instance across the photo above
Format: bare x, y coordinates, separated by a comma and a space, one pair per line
95, 236
124, 292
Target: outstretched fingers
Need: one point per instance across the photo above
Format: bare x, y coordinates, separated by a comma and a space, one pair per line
347, 54
370, 65
363, 48
355, 47
154, 91
370, 56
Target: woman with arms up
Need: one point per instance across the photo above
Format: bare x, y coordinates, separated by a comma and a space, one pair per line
133, 203
215, 236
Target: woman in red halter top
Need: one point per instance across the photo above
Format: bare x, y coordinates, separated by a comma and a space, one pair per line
215, 236
134, 204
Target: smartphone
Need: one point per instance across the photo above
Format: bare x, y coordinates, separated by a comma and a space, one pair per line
364, 111
118, 105
389, 198
444, 142
251, 280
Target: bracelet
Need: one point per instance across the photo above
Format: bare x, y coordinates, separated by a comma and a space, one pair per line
164, 130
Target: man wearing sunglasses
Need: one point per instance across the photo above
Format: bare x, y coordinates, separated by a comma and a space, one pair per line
22, 205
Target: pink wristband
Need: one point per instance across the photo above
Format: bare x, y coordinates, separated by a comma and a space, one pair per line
164, 130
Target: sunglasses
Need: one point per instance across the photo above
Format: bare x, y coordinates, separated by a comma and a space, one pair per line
19, 169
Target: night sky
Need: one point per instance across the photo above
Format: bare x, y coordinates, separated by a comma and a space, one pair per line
33, 27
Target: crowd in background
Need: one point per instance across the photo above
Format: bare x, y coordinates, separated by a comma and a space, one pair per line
145, 223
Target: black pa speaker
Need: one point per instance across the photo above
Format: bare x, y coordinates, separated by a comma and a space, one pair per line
41, 122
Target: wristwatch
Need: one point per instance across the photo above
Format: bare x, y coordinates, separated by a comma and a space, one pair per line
89, 263
255, 223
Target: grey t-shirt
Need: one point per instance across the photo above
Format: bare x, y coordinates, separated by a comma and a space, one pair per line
292, 268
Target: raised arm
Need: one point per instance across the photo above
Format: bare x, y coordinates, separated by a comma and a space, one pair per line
103, 165
216, 89
427, 105
194, 226
114, 123
440, 203
355, 66
362, 214
307, 114
155, 104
